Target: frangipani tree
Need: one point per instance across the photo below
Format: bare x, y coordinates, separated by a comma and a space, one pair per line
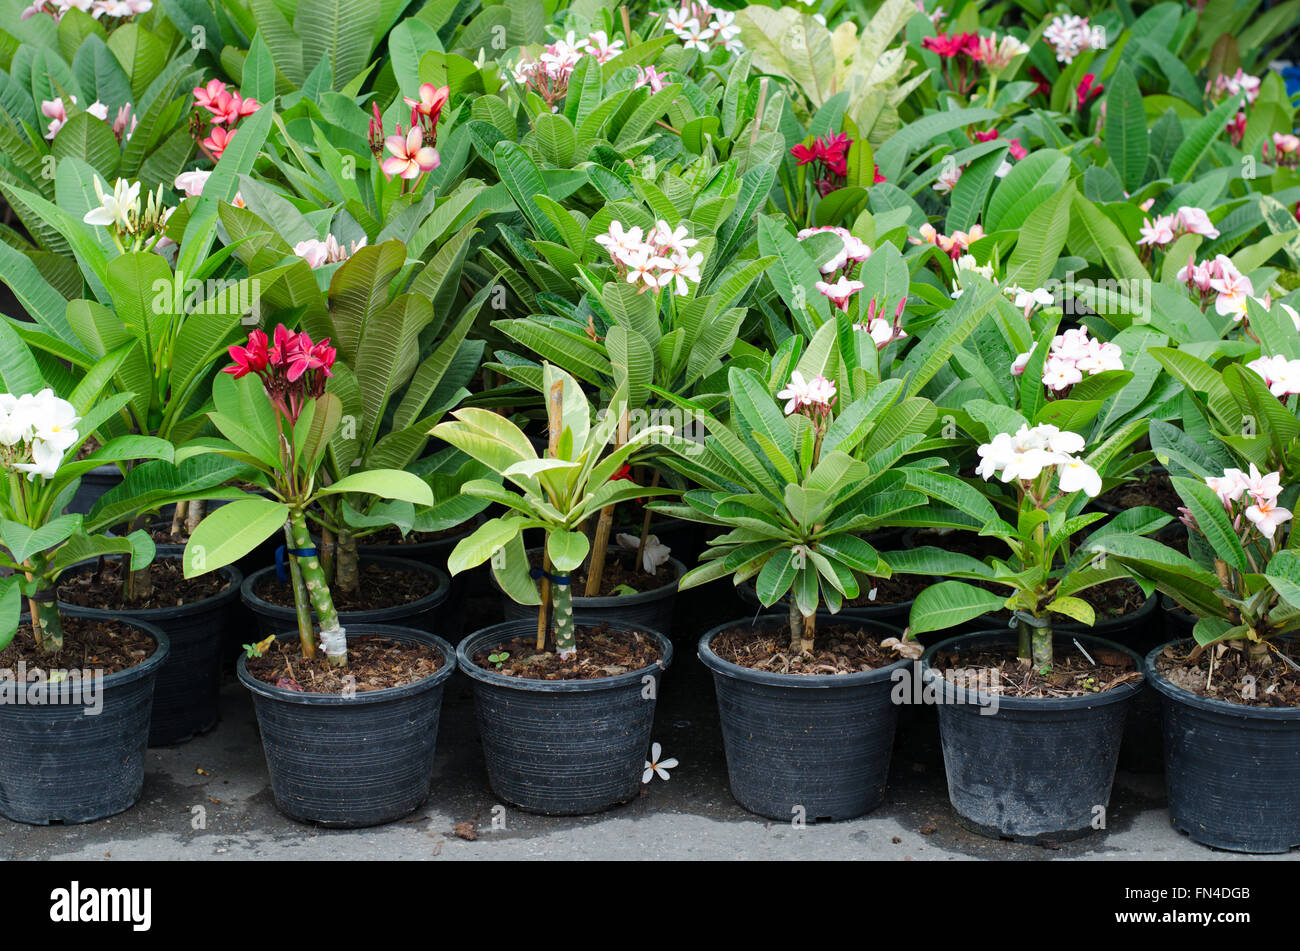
277, 418
556, 493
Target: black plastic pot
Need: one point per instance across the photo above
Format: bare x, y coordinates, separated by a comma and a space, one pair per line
436, 553
1232, 771
652, 609
563, 747
185, 700
811, 746
355, 761
60, 764
1029, 769
423, 614
93, 485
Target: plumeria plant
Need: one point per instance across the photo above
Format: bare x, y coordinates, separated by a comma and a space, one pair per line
557, 493
1240, 577
40, 437
796, 480
273, 410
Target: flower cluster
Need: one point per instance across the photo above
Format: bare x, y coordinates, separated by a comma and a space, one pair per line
853, 250
1219, 277
548, 75
1072, 356
116, 9
426, 109
701, 27
120, 211
829, 156
317, 253
961, 50
1280, 375
292, 370
814, 398
1286, 150
660, 258
997, 53
882, 330
35, 432
1070, 35
1224, 86
217, 110
1253, 496
1166, 228
123, 123
954, 245
1029, 453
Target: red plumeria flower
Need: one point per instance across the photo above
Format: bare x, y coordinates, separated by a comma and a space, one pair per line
218, 140
952, 46
248, 359
1043, 85
430, 102
1018, 151
986, 136
1088, 90
206, 96
876, 177
309, 356
624, 472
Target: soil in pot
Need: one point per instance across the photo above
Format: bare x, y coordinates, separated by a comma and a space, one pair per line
602, 652
393, 536
837, 649
1234, 678
1152, 488
88, 644
374, 662
101, 586
381, 586
1071, 674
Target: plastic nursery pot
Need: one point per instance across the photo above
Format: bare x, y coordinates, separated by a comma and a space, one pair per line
187, 692
651, 609
1029, 768
424, 614
352, 761
93, 485
78, 762
1232, 771
813, 745
563, 747
435, 552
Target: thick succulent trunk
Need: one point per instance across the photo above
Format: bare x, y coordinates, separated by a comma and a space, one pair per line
332, 636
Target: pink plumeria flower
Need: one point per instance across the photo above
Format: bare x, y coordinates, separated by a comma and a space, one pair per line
1159, 232
840, 292
411, 157
647, 76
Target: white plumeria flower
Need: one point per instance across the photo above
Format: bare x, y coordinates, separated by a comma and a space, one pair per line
1267, 515
949, 176
116, 209
1229, 487
655, 766
655, 554
1076, 475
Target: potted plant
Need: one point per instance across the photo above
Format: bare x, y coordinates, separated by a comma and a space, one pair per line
340, 689
75, 740
1030, 744
805, 695
566, 719
1231, 708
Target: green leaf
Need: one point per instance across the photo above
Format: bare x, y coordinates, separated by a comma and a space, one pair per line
231, 532
950, 603
385, 483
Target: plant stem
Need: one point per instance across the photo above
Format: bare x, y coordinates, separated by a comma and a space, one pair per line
301, 603
318, 591
543, 612
178, 518
600, 545
347, 575
1025, 639
197, 509
565, 644
808, 634
1042, 647
796, 628
47, 626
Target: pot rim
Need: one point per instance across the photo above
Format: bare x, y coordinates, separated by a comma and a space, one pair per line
233, 575
1086, 701
465, 657
1208, 704
432, 599
146, 667
395, 631
618, 600
804, 681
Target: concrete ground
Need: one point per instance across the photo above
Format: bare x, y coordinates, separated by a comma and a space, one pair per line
211, 799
